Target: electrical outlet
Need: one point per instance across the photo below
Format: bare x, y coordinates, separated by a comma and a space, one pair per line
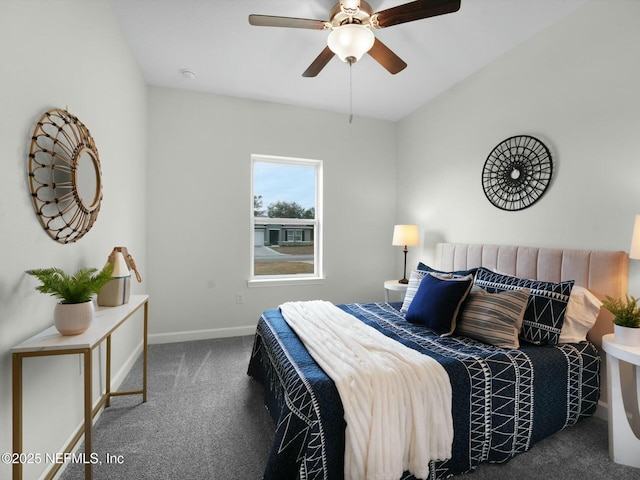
239, 298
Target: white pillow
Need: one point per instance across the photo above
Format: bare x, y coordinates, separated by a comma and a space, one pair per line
414, 282
582, 311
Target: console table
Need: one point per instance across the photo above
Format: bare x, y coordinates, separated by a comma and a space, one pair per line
51, 342
624, 445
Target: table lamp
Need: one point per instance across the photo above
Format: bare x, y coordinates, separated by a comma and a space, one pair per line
405, 235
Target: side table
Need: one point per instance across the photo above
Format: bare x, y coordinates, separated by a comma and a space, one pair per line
50, 342
624, 444
394, 286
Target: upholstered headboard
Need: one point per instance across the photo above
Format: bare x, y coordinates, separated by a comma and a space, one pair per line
602, 272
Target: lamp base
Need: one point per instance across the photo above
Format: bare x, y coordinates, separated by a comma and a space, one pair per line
404, 280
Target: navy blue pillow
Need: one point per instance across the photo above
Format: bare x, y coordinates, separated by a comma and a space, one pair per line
437, 302
456, 273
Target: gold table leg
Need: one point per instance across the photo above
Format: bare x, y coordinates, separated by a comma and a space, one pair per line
16, 370
108, 373
145, 360
88, 413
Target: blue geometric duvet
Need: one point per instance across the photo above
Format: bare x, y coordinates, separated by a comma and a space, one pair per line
503, 400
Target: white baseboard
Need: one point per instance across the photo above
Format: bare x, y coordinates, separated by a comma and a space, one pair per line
172, 337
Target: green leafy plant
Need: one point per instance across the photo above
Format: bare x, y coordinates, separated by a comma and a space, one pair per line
78, 288
626, 311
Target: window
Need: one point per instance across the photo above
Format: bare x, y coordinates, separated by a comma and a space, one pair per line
294, 235
286, 219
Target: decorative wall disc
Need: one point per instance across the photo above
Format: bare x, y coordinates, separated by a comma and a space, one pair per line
517, 172
64, 176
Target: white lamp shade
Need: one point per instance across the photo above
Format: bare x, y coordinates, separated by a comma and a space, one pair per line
405, 235
351, 41
634, 252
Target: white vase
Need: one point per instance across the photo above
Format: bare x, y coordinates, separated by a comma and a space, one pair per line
73, 318
627, 335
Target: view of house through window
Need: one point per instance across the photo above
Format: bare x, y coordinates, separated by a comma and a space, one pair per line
286, 217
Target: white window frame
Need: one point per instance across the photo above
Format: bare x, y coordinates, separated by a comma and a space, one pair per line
297, 279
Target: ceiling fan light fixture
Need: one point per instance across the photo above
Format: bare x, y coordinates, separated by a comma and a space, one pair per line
349, 42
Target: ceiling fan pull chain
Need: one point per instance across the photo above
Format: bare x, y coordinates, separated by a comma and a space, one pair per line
350, 91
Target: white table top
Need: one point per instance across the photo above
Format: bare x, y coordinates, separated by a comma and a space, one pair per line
104, 321
623, 352
395, 285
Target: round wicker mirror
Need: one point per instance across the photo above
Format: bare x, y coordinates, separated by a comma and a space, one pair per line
64, 176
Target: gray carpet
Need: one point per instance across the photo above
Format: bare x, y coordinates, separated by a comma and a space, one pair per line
205, 419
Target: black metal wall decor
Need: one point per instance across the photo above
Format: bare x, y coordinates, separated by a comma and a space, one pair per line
517, 172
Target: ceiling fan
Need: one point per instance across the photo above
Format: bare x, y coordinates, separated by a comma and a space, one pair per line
351, 23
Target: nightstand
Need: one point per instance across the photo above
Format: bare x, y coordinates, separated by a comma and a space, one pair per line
624, 445
394, 286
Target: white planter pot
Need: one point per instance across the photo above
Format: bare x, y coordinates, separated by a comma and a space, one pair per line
627, 335
73, 318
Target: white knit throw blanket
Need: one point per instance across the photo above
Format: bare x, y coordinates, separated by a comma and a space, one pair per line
397, 402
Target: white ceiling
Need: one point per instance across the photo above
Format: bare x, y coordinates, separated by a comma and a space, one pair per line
213, 38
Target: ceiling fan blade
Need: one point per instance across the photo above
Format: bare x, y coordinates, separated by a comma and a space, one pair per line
385, 57
412, 11
290, 22
319, 63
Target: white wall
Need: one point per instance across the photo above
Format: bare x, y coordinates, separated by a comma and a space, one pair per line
575, 87
63, 54
200, 208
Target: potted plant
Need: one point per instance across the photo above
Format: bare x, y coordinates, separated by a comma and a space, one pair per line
74, 312
626, 318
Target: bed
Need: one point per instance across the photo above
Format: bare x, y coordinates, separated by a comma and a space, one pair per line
504, 399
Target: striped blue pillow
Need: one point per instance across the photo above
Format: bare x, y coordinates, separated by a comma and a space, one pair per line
414, 282
493, 318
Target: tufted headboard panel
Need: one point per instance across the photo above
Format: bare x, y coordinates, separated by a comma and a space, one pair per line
602, 272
